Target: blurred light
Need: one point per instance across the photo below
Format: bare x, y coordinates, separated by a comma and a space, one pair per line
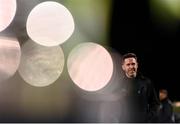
90, 66
9, 57
166, 10
41, 66
50, 24
176, 104
110, 111
7, 13
92, 18
173, 6
111, 92
45, 104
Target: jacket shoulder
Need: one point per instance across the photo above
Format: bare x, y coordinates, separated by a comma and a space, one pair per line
144, 79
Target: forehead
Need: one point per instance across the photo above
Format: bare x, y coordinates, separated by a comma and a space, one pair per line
130, 60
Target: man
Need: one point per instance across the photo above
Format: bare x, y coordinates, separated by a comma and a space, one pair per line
140, 99
166, 114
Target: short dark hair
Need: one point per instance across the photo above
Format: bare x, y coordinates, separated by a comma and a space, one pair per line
129, 55
163, 91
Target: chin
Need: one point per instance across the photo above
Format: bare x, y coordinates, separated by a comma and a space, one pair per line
132, 75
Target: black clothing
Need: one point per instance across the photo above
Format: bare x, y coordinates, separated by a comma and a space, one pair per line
140, 100
166, 114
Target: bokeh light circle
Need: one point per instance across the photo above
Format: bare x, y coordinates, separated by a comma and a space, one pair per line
10, 54
7, 13
50, 24
90, 66
41, 66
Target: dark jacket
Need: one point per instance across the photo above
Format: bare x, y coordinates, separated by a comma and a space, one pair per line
166, 114
140, 100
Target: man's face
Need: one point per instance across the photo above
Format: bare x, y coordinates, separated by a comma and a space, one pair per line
130, 66
162, 96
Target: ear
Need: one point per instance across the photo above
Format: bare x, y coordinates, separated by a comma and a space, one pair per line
123, 67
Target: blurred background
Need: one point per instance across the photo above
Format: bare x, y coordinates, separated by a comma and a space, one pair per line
60, 59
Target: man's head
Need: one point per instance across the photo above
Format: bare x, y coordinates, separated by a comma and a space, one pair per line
130, 65
163, 94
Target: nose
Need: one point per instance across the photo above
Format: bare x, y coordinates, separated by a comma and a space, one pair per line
131, 66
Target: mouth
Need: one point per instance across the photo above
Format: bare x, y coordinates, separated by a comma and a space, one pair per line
131, 71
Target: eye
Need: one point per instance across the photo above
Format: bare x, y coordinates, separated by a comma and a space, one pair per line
133, 64
128, 64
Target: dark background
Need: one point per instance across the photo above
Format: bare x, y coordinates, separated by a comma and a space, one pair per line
133, 30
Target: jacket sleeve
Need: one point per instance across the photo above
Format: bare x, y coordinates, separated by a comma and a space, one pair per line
153, 103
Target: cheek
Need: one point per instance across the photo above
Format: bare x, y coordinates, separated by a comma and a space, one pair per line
136, 67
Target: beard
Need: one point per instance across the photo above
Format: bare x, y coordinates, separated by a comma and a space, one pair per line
131, 73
